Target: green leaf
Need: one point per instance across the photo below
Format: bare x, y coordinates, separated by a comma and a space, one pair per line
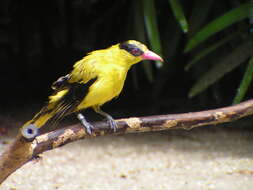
229, 18
208, 50
230, 62
152, 27
247, 78
179, 14
200, 11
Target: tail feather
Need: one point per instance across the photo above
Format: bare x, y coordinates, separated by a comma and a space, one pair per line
31, 128
41, 118
53, 112
60, 112
60, 104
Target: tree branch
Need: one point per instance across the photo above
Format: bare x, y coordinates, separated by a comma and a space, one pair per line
22, 151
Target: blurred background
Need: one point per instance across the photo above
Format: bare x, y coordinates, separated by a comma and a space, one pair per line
207, 48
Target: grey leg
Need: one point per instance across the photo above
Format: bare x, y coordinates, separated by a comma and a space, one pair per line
109, 118
86, 124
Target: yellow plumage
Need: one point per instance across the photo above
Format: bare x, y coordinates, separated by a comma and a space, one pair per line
94, 80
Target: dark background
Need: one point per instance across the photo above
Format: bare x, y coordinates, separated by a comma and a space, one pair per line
41, 40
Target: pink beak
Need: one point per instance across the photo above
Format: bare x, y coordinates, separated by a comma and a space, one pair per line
149, 55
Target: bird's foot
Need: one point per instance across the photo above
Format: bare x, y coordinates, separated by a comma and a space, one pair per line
112, 123
110, 120
89, 128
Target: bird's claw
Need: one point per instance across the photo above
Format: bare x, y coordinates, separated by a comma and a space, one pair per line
110, 120
89, 128
112, 123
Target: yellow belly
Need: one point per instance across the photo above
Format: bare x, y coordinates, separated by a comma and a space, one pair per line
102, 91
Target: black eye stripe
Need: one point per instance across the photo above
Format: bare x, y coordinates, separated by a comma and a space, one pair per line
127, 47
131, 48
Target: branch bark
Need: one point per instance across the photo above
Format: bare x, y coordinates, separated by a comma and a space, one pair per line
22, 151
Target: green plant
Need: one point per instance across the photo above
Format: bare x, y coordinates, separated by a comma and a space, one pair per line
219, 40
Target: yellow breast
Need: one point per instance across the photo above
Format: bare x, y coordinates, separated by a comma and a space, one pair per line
107, 86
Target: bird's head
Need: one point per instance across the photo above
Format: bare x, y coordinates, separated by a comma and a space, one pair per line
134, 52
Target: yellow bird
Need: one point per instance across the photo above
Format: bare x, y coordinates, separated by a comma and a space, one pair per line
96, 79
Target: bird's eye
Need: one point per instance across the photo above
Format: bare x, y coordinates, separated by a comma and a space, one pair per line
136, 52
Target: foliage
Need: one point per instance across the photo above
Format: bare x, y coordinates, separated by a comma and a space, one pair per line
201, 41
238, 56
218, 36
230, 59
247, 78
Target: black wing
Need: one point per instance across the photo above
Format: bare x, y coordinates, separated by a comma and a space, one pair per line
61, 83
74, 96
